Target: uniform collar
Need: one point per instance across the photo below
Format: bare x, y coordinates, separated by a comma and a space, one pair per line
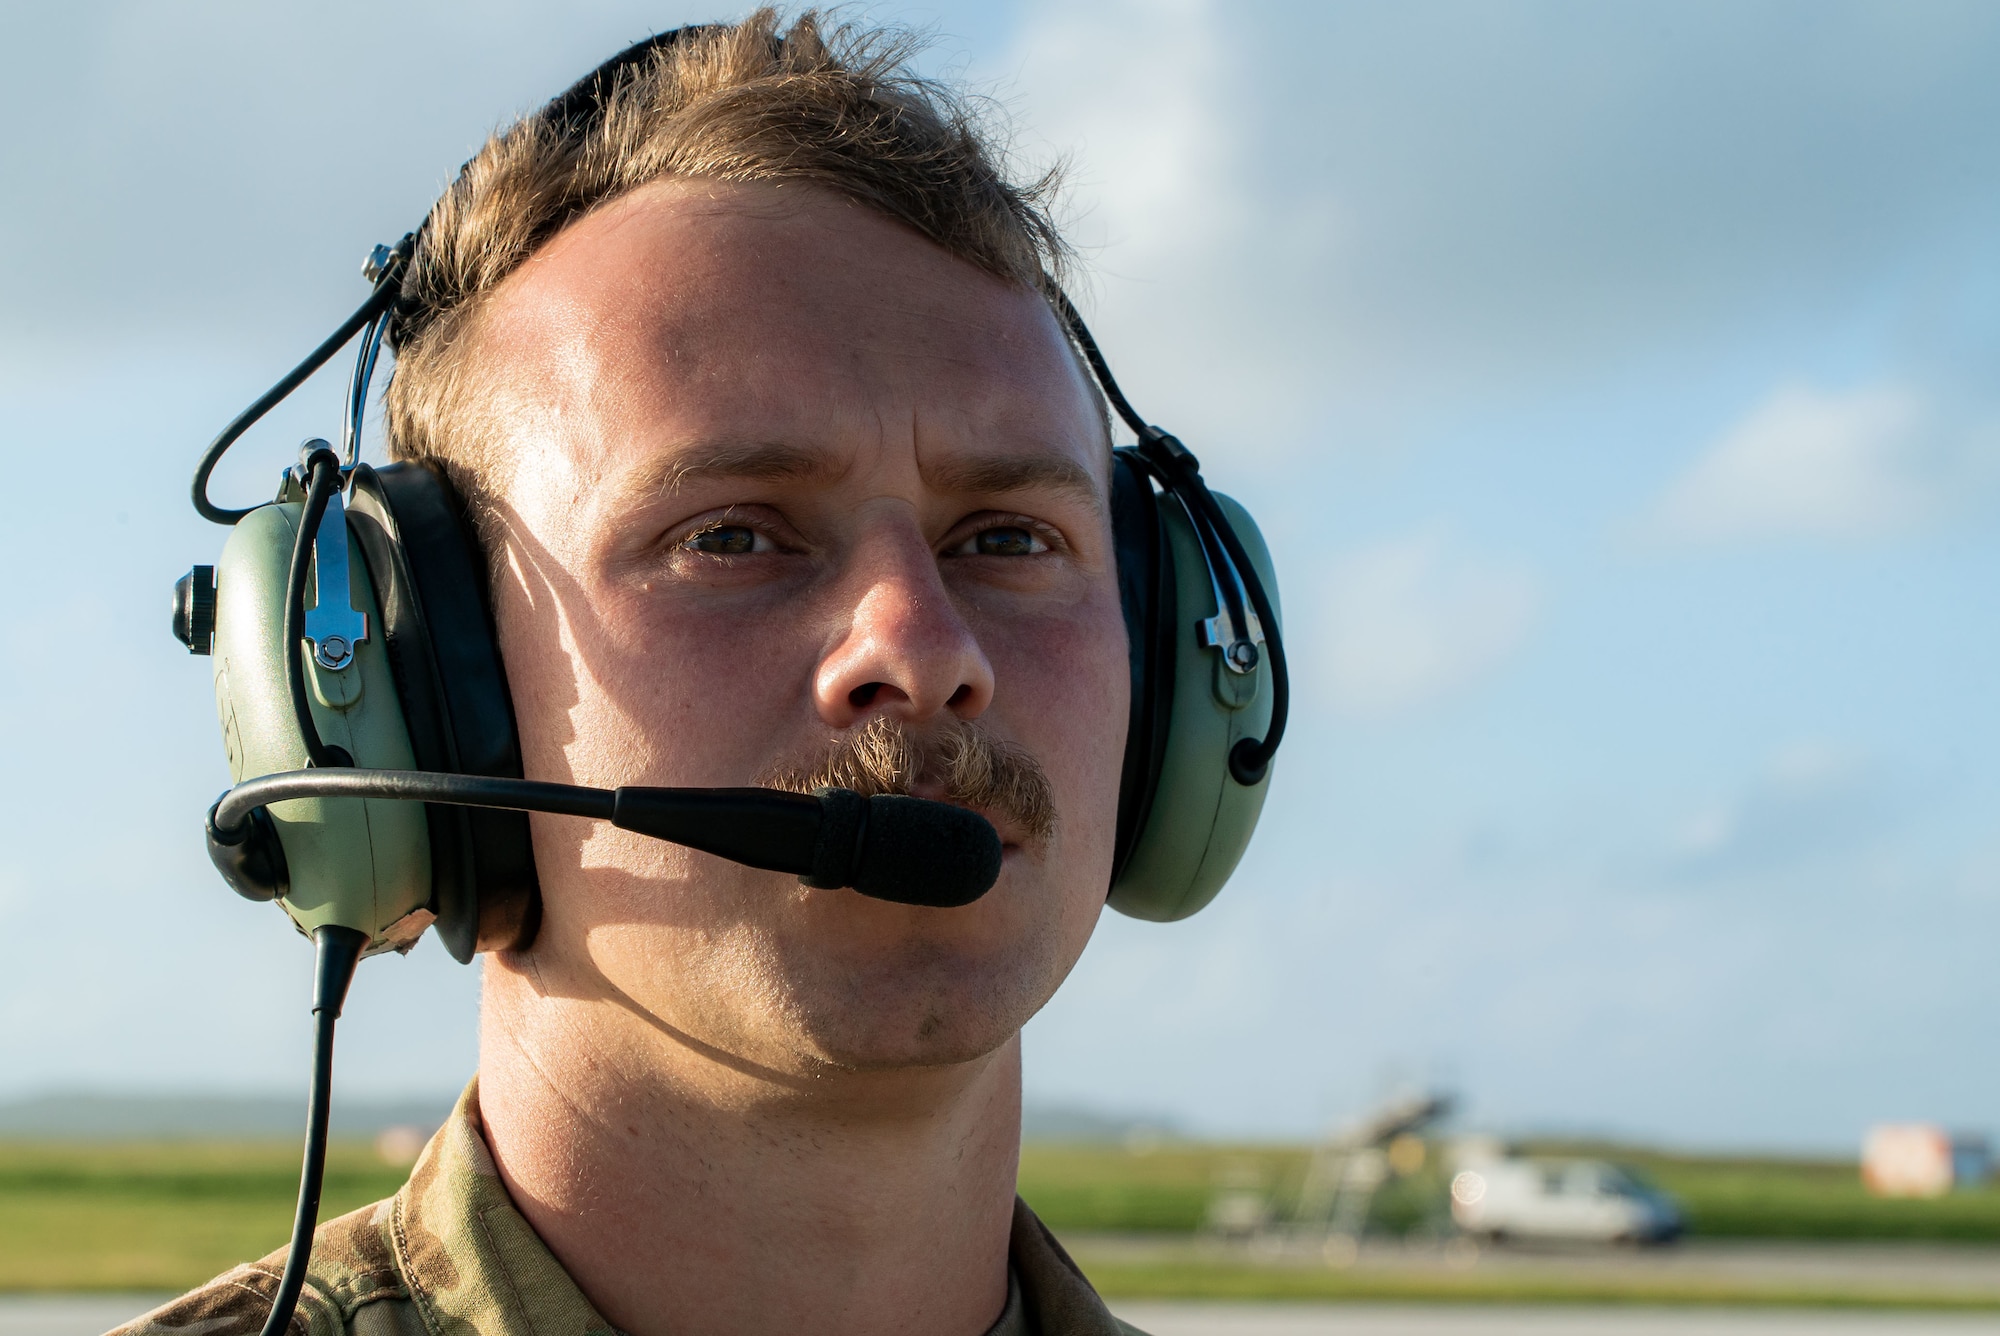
474, 1265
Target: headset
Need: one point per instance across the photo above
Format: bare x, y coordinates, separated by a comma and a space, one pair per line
378, 787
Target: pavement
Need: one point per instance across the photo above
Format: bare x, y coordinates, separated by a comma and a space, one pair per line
1193, 1319
1729, 1271
91, 1315
70, 1314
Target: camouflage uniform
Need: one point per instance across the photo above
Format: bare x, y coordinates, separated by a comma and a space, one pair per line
449, 1255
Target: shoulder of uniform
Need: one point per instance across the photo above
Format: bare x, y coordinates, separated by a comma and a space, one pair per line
353, 1266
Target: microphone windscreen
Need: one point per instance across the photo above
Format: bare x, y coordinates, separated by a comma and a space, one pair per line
917, 852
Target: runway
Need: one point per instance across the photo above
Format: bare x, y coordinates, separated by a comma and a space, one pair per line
70, 1314
91, 1315
1191, 1319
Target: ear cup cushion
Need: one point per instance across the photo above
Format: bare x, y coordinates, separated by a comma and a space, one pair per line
438, 628
1200, 819
1145, 591
453, 881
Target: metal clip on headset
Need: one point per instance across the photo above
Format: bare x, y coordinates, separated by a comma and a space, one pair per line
333, 626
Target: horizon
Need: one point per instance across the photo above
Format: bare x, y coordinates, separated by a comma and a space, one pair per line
162, 1113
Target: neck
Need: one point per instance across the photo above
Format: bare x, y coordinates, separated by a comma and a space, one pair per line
684, 1192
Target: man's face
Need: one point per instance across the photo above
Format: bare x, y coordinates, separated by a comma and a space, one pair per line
773, 469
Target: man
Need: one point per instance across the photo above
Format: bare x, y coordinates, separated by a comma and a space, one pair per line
787, 474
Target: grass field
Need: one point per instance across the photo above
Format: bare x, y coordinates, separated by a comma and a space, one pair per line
1809, 1199
1166, 1189
159, 1217
166, 1216
1209, 1280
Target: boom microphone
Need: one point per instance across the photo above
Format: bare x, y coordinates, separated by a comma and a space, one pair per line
908, 850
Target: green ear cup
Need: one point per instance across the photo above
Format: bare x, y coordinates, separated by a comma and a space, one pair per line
1201, 818
355, 863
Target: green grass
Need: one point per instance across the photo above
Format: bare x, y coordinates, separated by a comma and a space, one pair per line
161, 1216
1215, 1280
167, 1216
1775, 1198
1164, 1190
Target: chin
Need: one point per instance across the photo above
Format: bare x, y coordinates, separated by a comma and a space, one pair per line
808, 981
917, 1006
871, 986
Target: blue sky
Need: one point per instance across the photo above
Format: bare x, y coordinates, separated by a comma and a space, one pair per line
1615, 384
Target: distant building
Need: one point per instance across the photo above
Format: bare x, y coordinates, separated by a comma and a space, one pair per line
1921, 1160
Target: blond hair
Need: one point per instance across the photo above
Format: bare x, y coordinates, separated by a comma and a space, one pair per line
740, 102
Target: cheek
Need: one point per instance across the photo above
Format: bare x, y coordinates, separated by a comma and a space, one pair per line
623, 686
533, 627
1062, 689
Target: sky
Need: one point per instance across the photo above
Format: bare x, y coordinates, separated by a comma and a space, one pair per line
1613, 382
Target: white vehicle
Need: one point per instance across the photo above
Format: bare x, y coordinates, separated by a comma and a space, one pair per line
1561, 1200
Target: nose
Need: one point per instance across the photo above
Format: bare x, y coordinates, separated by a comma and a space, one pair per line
902, 647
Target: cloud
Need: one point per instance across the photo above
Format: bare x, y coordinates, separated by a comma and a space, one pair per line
1413, 619
1179, 242
1139, 170
1816, 463
1382, 214
1811, 800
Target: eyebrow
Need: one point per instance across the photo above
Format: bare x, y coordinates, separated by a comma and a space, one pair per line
773, 461
754, 461
1016, 473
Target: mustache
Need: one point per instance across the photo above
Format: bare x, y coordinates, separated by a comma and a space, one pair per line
974, 768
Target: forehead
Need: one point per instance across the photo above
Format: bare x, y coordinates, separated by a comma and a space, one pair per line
747, 314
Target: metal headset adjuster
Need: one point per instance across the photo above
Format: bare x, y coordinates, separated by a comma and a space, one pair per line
333, 627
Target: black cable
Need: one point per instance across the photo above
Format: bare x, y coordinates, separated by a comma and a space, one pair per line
1250, 759
525, 795
387, 276
379, 301
357, 388
1101, 369
1180, 473
338, 950
322, 477
1230, 588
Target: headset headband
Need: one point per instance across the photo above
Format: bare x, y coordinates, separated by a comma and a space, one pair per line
576, 107
389, 304
581, 105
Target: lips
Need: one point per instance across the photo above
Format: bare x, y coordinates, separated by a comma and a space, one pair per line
1012, 837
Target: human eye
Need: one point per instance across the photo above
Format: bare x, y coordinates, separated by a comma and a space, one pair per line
1011, 537
726, 538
